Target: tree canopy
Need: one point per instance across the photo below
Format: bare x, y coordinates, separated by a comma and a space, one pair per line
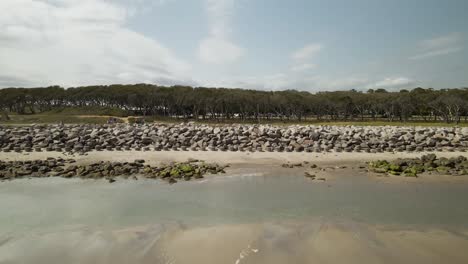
449, 105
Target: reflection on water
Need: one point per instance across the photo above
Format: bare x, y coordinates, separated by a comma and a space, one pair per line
243, 219
272, 243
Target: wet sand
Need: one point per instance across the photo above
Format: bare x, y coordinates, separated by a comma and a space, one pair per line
272, 243
316, 243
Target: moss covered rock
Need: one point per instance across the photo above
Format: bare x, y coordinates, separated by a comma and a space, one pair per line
427, 163
186, 168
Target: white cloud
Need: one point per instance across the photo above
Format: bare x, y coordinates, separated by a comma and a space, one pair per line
277, 81
217, 48
437, 52
439, 46
284, 81
220, 13
338, 83
65, 42
443, 41
303, 67
307, 52
304, 54
392, 83
138, 7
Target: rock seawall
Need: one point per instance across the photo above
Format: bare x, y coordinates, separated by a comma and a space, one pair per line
194, 137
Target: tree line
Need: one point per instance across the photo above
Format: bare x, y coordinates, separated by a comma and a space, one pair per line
448, 105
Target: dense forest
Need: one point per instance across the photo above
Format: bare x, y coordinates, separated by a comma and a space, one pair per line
447, 105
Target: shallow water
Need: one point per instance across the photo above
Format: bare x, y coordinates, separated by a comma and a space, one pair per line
62, 214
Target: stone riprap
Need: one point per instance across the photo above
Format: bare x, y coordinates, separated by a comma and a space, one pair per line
196, 137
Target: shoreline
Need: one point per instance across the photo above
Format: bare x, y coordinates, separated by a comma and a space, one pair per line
327, 167
232, 158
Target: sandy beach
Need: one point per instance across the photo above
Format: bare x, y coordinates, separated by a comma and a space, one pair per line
233, 158
330, 165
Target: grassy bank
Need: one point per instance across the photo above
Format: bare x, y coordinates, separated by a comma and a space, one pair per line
88, 110
67, 115
54, 119
100, 116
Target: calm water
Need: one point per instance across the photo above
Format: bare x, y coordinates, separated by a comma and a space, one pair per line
225, 218
50, 204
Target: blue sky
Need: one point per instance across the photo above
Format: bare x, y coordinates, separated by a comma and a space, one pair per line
312, 45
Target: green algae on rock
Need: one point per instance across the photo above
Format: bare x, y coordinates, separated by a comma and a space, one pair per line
109, 170
426, 163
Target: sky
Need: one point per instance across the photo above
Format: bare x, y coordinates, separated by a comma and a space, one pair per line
309, 45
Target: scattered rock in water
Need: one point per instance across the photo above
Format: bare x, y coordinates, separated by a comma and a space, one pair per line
309, 175
171, 181
52, 167
426, 163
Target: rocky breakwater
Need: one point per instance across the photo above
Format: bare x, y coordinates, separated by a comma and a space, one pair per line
183, 137
67, 168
